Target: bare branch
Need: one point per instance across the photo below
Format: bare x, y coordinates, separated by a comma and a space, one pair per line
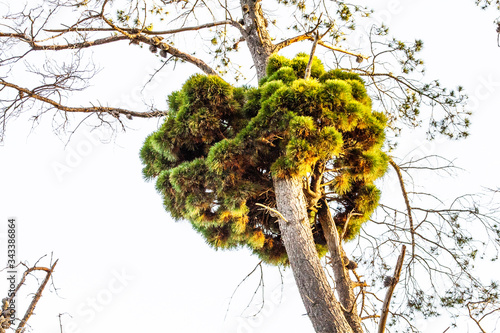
388, 295
133, 38
308, 36
311, 56
69, 46
37, 296
408, 207
273, 212
145, 31
93, 109
259, 265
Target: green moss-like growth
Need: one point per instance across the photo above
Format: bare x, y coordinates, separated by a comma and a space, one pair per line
216, 153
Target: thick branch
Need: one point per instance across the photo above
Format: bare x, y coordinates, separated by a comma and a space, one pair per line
58, 47
338, 49
300, 37
290, 41
13, 35
179, 54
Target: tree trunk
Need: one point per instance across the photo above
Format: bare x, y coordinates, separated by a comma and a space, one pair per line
319, 300
343, 283
256, 35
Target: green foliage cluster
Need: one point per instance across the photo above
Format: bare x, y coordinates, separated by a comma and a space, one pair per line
216, 154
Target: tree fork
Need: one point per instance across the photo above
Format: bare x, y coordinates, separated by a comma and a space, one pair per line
344, 285
323, 309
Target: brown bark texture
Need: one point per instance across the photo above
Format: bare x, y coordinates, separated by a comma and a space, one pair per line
257, 37
319, 300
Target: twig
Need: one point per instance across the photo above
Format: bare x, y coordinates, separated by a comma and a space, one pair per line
239, 284
272, 212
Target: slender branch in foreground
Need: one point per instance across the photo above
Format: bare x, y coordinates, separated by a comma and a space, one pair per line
392, 284
471, 306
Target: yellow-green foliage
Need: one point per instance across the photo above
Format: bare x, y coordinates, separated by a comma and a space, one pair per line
216, 153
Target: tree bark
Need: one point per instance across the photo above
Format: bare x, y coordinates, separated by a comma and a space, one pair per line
319, 300
257, 37
343, 283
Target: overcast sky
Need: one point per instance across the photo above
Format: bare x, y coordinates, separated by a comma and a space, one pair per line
124, 265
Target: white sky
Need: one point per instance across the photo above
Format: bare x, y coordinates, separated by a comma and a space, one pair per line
102, 220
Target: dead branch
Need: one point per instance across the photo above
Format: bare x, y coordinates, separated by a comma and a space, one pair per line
26, 93
370, 317
388, 295
471, 306
146, 32
125, 36
259, 265
273, 212
408, 207
471, 315
36, 298
308, 36
311, 56
344, 285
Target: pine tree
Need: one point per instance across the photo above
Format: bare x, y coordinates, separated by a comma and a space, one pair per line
286, 168
220, 147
